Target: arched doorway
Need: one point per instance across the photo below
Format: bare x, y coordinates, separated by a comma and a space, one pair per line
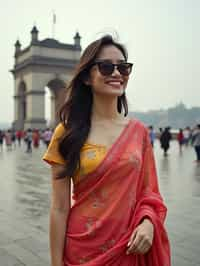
57, 94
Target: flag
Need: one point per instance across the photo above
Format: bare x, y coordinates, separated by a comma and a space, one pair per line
54, 18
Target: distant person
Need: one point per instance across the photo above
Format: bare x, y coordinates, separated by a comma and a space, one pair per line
165, 140
42, 135
13, 137
29, 137
19, 135
1, 139
47, 136
152, 135
8, 140
36, 138
196, 141
180, 139
186, 135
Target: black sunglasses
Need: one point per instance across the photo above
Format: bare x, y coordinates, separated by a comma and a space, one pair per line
107, 68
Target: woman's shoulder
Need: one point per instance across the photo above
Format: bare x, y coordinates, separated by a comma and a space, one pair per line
59, 131
139, 125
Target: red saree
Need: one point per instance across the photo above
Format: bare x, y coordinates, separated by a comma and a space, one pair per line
111, 201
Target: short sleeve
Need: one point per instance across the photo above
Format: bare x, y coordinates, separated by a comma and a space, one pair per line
52, 154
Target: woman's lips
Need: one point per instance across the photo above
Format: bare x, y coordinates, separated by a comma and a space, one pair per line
115, 84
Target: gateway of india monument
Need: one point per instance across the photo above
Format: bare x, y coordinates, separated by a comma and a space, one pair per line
45, 63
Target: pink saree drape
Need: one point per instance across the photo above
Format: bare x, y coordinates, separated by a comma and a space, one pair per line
111, 201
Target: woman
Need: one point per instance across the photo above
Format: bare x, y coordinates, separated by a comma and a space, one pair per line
152, 135
29, 138
165, 140
118, 214
8, 140
36, 138
196, 142
180, 139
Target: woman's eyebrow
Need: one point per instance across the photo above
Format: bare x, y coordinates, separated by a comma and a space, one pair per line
110, 60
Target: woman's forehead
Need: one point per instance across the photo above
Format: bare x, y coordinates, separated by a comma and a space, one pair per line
110, 52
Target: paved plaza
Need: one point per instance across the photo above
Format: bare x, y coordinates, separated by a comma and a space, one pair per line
24, 206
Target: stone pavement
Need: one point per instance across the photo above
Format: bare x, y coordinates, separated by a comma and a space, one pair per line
24, 206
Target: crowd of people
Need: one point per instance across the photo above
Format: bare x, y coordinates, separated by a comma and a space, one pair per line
186, 136
31, 138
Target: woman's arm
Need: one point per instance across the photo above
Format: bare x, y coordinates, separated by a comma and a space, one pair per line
59, 210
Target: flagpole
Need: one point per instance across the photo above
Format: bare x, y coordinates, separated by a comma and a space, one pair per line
53, 25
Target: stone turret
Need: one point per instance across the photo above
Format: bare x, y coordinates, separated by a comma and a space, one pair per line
17, 47
34, 35
77, 40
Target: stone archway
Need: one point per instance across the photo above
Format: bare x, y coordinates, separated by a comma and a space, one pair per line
43, 63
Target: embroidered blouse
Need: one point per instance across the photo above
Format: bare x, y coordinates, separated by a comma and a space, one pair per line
91, 155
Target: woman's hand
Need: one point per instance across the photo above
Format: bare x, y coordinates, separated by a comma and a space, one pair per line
141, 238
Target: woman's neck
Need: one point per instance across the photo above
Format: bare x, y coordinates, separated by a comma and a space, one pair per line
105, 108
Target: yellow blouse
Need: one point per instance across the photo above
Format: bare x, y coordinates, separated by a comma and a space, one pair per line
90, 157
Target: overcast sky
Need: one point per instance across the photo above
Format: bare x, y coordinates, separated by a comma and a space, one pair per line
162, 37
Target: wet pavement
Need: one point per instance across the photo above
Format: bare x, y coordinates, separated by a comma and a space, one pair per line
24, 206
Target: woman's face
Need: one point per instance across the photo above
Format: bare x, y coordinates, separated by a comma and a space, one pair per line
113, 84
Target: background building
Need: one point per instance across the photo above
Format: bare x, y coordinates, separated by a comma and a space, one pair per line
45, 63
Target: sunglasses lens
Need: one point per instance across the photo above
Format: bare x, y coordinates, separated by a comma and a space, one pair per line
124, 69
106, 68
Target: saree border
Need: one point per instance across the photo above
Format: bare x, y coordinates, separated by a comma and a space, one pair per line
94, 176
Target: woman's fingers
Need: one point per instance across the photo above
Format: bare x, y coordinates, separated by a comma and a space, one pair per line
140, 244
136, 242
143, 246
133, 243
132, 237
130, 243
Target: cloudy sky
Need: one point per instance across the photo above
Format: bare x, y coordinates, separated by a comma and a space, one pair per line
162, 37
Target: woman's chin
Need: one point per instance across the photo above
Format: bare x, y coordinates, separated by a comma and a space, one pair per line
111, 92
118, 92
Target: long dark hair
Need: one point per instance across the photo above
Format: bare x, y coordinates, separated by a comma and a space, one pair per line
75, 114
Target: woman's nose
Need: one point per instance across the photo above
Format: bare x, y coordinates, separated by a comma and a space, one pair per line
116, 72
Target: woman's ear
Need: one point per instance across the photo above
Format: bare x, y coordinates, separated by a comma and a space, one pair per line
87, 81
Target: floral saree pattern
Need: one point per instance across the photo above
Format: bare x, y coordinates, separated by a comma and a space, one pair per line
111, 201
